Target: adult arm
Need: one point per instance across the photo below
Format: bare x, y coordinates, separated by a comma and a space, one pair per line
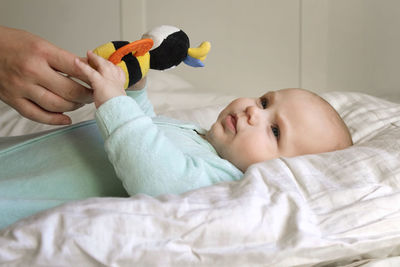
33, 78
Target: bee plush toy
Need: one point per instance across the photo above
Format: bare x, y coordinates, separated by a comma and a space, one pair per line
161, 48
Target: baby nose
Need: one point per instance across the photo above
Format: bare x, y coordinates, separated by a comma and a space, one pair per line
252, 113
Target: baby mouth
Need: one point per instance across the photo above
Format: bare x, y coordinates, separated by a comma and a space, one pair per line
231, 121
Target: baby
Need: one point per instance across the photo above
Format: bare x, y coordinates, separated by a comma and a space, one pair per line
152, 154
156, 155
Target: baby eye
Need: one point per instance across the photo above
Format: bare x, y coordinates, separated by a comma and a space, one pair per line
276, 131
264, 103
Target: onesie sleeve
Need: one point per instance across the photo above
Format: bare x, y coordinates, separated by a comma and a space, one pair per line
140, 96
143, 157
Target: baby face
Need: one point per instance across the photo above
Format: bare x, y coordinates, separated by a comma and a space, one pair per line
284, 123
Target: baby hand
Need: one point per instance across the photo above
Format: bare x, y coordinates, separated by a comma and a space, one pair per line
106, 79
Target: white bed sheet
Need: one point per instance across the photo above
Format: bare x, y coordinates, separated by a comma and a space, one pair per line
336, 209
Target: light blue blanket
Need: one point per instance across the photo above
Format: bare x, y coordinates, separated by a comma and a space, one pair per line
57, 167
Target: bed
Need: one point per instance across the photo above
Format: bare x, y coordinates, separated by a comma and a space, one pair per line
332, 209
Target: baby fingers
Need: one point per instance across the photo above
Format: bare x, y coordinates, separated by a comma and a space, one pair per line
88, 74
100, 64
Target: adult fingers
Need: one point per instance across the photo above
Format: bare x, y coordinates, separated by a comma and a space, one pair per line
84, 59
62, 61
49, 101
64, 86
90, 74
33, 112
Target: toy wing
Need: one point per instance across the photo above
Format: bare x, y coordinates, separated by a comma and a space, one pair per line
197, 55
138, 48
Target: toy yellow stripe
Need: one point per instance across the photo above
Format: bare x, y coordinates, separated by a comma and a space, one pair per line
144, 62
125, 69
105, 50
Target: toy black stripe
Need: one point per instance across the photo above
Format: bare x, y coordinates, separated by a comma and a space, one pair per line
133, 66
119, 44
171, 52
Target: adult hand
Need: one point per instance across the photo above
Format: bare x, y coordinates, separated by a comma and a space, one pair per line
33, 78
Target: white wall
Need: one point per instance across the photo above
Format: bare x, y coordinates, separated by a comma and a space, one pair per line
351, 45
257, 45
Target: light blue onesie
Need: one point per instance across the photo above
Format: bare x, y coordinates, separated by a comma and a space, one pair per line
151, 155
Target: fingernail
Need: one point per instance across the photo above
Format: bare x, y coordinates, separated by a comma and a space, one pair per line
67, 120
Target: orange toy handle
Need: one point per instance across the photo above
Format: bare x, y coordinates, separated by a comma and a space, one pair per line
140, 47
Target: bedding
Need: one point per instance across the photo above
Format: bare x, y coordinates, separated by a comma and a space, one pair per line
332, 209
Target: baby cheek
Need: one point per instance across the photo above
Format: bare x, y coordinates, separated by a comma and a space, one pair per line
258, 148
214, 136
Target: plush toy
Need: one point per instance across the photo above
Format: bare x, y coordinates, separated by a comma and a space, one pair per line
161, 48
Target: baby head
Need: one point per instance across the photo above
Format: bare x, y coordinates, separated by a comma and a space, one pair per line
283, 123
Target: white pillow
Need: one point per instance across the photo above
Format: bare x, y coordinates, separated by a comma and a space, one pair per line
366, 116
